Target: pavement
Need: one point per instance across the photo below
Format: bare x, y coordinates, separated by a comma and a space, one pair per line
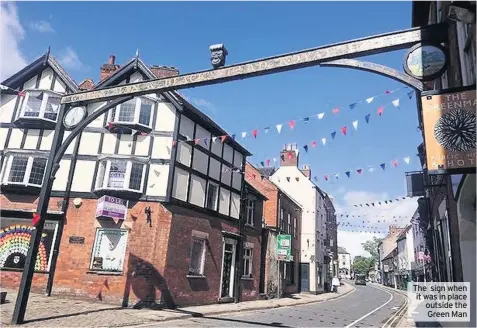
60, 311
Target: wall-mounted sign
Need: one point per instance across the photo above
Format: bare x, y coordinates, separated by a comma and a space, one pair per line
426, 62
284, 247
449, 130
76, 240
112, 207
415, 184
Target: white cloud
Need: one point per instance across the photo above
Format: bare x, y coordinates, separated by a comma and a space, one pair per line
41, 26
11, 34
380, 216
70, 60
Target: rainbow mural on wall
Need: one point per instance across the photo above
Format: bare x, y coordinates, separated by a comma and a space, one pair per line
14, 243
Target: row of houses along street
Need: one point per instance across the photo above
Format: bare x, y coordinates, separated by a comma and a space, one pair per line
149, 205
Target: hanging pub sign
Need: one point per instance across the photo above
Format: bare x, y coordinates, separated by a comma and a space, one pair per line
449, 130
112, 207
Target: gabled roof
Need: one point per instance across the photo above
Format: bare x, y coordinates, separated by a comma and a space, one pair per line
342, 250
25, 74
136, 64
254, 191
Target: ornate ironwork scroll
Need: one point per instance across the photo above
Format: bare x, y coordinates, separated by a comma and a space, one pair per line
379, 69
350, 49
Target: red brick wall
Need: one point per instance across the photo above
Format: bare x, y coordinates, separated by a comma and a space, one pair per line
268, 189
250, 287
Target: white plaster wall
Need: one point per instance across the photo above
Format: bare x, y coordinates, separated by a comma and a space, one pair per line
59, 85
186, 127
109, 143
228, 153
216, 147
157, 180
226, 174
125, 144
200, 161
83, 176
89, 143
166, 117
235, 208
31, 139
46, 79
30, 84
47, 140
224, 197
62, 176
142, 145
7, 106
236, 180
180, 186
15, 139
214, 169
203, 135
162, 147
184, 151
3, 137
197, 190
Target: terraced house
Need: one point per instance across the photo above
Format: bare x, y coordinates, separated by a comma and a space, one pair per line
147, 203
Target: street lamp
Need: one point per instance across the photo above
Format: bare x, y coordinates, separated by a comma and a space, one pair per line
69, 117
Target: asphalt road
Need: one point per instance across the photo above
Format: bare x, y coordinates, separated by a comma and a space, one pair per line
367, 306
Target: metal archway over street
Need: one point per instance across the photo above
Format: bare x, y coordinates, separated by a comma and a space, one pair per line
436, 33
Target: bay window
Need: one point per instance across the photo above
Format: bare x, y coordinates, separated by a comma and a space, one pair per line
24, 169
120, 174
137, 112
40, 104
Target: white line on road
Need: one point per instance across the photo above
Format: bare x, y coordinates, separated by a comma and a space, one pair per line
371, 312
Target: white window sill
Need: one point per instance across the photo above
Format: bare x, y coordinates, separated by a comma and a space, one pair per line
119, 189
105, 273
192, 276
246, 278
22, 117
20, 184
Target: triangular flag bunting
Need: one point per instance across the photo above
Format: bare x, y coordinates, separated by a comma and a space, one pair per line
110, 125
274, 159
395, 163
261, 163
337, 175
35, 219
313, 144
279, 127
133, 132
291, 124
233, 136
268, 162
348, 173
174, 143
387, 92
326, 177
380, 110
355, 125
407, 159
396, 102
196, 141
315, 178
367, 118
205, 142
371, 169
320, 115
383, 166
222, 138
288, 179
306, 148
343, 130
267, 129
336, 110
323, 140
306, 119
369, 100
353, 105
409, 94
255, 133
244, 134
359, 171
333, 134
214, 139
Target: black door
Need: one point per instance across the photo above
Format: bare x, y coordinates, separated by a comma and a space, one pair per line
227, 270
304, 277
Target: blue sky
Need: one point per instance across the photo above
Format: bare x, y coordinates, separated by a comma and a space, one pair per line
179, 34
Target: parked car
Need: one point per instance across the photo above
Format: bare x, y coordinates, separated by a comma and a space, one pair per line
360, 279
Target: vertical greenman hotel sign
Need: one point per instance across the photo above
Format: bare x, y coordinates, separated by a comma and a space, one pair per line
284, 248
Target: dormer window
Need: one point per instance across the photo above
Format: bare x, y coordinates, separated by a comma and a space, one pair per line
24, 170
120, 175
39, 109
134, 114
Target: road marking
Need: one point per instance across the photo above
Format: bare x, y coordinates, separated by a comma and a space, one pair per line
399, 313
371, 312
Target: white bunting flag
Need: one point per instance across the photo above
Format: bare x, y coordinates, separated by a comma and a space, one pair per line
355, 125
279, 127
369, 100
320, 115
244, 134
188, 138
396, 102
274, 159
214, 139
337, 175
407, 160
371, 169
323, 140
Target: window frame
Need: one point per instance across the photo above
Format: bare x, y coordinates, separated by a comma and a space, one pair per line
201, 272
28, 169
216, 198
43, 105
137, 112
127, 175
250, 214
295, 233
289, 224
96, 239
248, 258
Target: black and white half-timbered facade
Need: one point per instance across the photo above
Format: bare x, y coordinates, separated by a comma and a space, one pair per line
151, 184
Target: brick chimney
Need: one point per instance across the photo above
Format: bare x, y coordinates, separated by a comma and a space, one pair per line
164, 71
289, 155
306, 170
108, 69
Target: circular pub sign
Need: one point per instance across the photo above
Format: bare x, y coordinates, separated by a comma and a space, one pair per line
426, 62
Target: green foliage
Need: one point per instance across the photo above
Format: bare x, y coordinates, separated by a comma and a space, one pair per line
363, 264
371, 246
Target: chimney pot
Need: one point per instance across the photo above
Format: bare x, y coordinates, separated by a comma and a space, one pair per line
112, 59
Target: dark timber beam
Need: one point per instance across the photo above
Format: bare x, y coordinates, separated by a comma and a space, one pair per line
378, 69
291, 61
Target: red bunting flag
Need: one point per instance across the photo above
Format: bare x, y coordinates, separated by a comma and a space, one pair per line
387, 92
359, 171
223, 138
268, 162
110, 125
144, 133
343, 130
35, 219
255, 133
395, 163
174, 143
313, 144
380, 111
326, 177
291, 124
196, 141
21, 94
289, 155
336, 110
